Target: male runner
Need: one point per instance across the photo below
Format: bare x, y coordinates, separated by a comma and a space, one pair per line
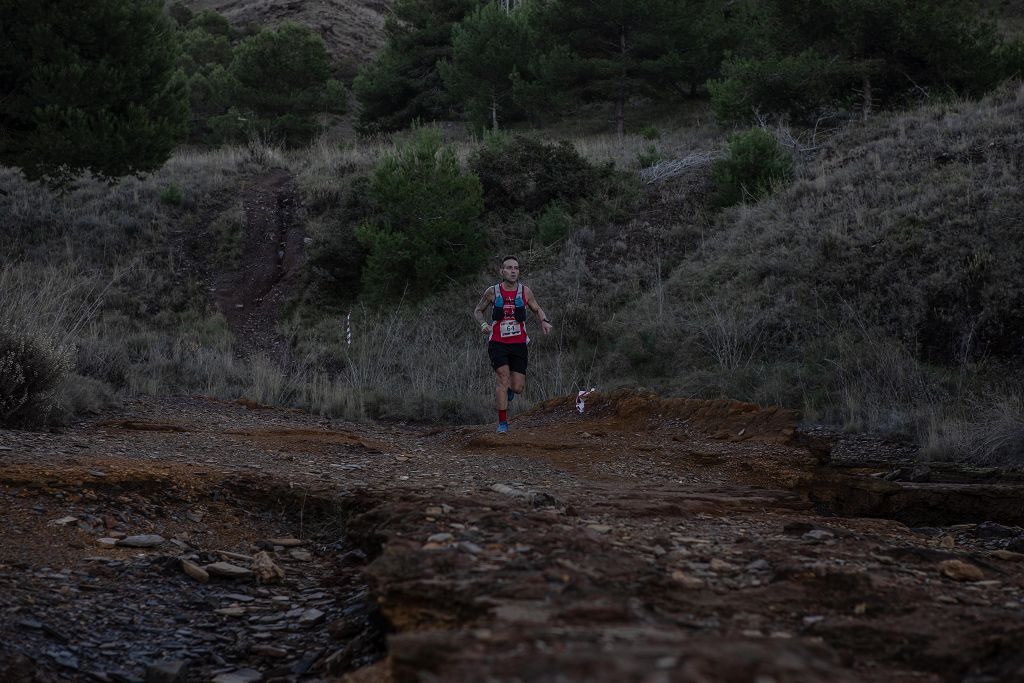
506, 333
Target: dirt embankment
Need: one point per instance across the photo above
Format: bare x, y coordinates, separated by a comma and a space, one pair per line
273, 249
643, 540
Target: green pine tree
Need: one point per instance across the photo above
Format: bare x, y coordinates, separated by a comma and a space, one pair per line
488, 47
755, 166
404, 83
880, 51
280, 82
609, 50
88, 87
427, 221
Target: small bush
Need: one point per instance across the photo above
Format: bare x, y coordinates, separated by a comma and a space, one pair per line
31, 370
180, 13
525, 174
554, 224
172, 194
756, 164
650, 132
84, 395
649, 156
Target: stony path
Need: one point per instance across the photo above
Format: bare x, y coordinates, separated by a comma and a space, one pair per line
643, 541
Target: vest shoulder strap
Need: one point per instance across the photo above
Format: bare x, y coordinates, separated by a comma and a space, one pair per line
520, 297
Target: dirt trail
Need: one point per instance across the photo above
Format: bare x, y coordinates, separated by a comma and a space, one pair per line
645, 540
251, 298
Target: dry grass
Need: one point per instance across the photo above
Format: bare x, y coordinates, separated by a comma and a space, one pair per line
996, 436
671, 143
988, 430
103, 271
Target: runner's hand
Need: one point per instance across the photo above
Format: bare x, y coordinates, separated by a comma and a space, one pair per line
546, 326
485, 328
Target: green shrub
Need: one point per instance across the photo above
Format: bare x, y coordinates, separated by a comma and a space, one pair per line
172, 194
554, 224
336, 259
526, 174
648, 156
180, 13
756, 164
199, 49
427, 220
31, 370
1011, 58
650, 132
212, 23
800, 88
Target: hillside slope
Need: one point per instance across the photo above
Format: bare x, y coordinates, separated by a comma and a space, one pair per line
891, 263
351, 28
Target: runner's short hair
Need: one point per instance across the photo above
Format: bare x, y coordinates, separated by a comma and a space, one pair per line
506, 258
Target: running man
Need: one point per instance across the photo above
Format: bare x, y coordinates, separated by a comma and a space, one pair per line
506, 333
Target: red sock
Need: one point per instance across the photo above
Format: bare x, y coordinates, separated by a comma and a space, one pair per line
502, 416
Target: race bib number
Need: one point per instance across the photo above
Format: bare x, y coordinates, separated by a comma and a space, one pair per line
510, 328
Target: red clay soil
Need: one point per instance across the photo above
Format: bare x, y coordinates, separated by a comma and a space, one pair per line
644, 540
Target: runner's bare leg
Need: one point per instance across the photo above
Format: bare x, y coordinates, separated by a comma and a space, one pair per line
501, 389
517, 382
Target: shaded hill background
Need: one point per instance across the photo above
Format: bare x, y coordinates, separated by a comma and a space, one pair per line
355, 28
352, 29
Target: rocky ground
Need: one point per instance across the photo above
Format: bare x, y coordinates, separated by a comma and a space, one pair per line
643, 540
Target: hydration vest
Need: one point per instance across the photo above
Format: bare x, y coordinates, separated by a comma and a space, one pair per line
508, 309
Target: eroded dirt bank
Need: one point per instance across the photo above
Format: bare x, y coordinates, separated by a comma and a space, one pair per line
645, 540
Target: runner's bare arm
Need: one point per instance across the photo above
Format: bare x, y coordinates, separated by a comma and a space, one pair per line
485, 301
531, 302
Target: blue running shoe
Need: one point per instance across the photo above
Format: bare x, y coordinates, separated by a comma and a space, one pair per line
511, 395
503, 427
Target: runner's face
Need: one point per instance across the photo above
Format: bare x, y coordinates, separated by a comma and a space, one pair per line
510, 271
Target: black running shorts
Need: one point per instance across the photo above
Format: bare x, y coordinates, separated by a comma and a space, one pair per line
512, 355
